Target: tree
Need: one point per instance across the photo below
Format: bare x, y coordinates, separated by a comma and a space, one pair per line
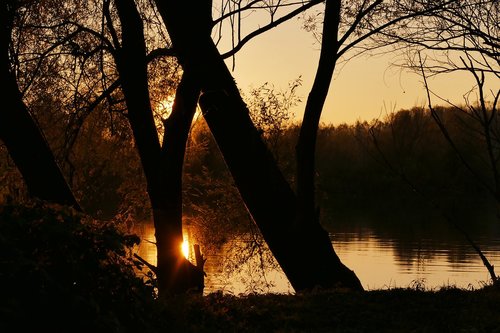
163, 166
266, 193
464, 38
284, 217
469, 38
162, 163
176, 273
25, 143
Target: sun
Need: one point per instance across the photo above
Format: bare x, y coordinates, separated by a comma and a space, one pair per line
185, 249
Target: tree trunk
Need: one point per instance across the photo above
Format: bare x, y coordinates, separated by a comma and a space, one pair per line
303, 250
172, 159
306, 145
22, 137
162, 165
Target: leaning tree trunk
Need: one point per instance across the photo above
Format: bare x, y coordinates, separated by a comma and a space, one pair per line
162, 165
303, 250
23, 138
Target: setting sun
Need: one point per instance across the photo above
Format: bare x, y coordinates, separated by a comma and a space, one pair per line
185, 249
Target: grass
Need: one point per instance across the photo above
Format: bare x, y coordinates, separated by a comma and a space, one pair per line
396, 310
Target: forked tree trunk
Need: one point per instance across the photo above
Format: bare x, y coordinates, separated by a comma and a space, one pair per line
162, 165
172, 160
303, 250
21, 135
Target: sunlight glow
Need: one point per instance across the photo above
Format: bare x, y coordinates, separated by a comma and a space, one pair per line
185, 249
164, 107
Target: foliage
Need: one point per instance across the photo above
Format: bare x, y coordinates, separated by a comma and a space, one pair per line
215, 216
212, 205
395, 310
62, 271
11, 182
366, 163
270, 110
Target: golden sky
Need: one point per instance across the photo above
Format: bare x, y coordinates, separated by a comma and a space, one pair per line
363, 89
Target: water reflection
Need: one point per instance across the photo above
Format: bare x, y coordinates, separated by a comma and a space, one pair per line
236, 270
147, 247
381, 259
387, 263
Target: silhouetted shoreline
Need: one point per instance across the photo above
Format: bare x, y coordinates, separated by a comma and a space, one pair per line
396, 310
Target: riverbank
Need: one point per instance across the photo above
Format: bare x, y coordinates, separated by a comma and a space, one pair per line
397, 310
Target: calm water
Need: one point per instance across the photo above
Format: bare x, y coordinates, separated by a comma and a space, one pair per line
382, 263
400, 257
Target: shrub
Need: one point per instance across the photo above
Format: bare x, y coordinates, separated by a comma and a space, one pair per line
62, 271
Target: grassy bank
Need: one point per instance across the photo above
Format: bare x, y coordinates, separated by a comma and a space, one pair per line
398, 310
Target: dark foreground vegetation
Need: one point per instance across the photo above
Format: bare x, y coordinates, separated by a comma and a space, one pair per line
399, 310
63, 272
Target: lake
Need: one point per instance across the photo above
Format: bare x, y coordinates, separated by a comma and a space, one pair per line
428, 256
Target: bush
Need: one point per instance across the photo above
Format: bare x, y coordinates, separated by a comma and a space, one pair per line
64, 272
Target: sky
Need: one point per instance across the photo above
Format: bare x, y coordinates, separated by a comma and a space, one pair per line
365, 88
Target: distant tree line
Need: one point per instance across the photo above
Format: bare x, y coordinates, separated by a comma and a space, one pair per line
404, 159
352, 169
